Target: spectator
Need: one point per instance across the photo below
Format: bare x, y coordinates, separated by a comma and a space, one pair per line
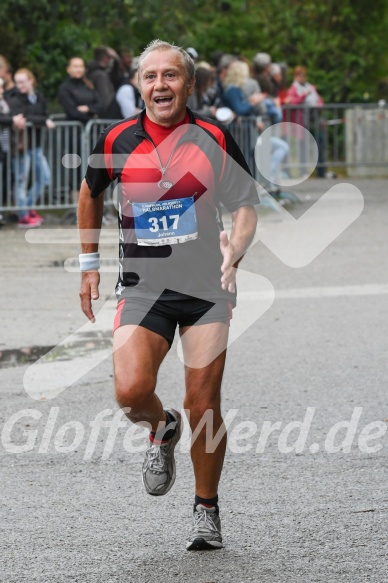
304, 94
80, 102
241, 104
30, 106
204, 65
222, 69
261, 70
6, 75
102, 72
234, 96
278, 75
215, 59
201, 101
262, 73
126, 63
193, 54
77, 95
128, 96
269, 105
251, 85
5, 125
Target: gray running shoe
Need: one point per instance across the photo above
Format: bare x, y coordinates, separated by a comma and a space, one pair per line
206, 532
159, 465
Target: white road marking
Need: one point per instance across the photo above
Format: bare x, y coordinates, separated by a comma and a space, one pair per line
373, 289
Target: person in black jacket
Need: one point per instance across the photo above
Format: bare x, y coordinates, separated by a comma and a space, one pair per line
103, 72
80, 102
6, 74
31, 105
6, 123
77, 94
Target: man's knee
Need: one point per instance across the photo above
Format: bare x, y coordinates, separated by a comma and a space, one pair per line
134, 392
203, 409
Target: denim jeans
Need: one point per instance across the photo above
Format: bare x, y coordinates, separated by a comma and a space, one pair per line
30, 161
279, 152
269, 154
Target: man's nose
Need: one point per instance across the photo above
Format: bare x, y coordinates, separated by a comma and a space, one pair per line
160, 82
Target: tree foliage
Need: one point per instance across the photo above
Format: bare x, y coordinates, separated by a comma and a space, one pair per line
343, 44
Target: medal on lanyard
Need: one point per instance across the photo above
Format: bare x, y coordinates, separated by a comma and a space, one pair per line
165, 184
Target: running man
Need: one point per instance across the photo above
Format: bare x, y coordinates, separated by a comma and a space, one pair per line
177, 267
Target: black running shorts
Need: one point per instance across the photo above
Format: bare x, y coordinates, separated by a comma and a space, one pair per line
164, 316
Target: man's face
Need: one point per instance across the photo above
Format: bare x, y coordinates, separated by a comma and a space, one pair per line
23, 83
164, 87
76, 68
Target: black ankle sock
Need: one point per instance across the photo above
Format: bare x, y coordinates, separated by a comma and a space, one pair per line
163, 435
207, 502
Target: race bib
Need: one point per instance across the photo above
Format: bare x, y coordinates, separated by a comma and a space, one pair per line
165, 222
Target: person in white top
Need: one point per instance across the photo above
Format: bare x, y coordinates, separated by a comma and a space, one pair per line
128, 96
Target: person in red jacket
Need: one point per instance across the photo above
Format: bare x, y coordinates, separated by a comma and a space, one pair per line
304, 94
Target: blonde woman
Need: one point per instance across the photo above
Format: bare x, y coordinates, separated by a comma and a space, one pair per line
236, 98
234, 94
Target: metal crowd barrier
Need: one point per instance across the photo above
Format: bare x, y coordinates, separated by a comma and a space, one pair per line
353, 137
58, 189
350, 137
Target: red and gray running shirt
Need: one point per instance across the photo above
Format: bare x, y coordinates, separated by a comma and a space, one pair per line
193, 167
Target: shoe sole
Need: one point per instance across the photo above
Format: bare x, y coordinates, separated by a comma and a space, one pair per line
174, 465
200, 544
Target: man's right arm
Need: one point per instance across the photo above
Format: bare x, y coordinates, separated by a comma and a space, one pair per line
90, 211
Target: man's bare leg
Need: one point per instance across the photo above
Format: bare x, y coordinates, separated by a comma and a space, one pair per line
137, 356
203, 396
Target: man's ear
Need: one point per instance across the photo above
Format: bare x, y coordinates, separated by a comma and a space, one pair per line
191, 85
139, 84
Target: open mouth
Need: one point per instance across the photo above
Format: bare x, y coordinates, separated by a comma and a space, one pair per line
163, 100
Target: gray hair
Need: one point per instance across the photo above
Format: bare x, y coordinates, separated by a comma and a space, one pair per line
160, 45
261, 60
225, 61
275, 69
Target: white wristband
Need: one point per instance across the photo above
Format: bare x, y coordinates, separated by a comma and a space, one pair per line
89, 261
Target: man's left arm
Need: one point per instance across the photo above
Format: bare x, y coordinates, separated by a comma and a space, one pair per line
244, 221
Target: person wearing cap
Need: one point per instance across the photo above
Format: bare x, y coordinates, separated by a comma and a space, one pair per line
261, 70
193, 53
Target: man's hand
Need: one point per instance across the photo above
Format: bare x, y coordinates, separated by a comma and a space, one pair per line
19, 121
244, 221
89, 291
257, 98
228, 279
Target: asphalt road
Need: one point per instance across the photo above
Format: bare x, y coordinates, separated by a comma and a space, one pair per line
306, 502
